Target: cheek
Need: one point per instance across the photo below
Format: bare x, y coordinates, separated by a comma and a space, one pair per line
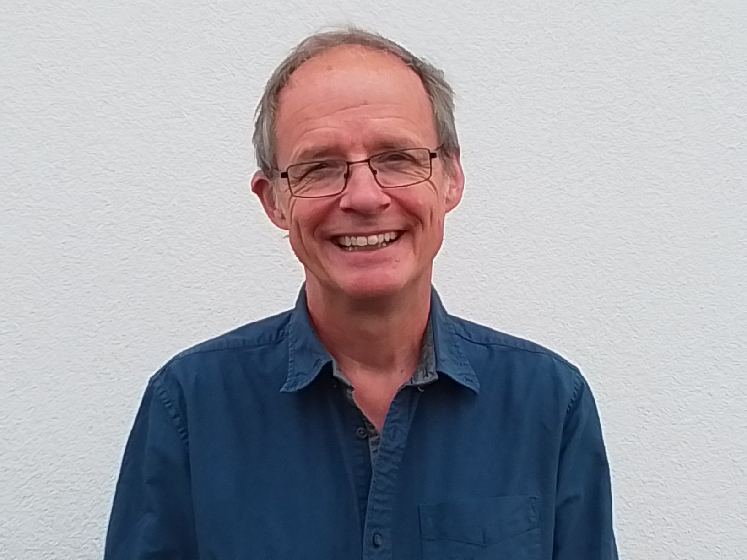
428, 202
305, 218
296, 221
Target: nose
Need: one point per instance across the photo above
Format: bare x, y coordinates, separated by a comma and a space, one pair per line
362, 193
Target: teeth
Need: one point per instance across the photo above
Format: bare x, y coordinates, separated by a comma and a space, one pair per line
363, 241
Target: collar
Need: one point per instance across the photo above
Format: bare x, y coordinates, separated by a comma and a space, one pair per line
424, 374
307, 356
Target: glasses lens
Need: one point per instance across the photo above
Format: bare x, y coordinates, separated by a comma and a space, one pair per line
317, 178
402, 167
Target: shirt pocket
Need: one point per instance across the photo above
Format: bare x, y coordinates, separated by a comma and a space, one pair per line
505, 528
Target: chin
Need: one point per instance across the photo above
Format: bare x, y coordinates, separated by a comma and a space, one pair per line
371, 286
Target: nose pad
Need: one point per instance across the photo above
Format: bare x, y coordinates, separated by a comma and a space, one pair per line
349, 174
363, 193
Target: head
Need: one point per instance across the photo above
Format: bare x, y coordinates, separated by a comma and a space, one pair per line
348, 95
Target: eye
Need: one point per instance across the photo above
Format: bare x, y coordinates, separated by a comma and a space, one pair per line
395, 161
316, 170
318, 166
394, 157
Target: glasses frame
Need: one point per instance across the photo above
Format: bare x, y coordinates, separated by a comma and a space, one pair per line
432, 154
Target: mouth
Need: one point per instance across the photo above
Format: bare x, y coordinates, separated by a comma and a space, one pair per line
366, 242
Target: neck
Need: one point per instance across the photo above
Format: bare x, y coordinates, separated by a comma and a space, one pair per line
379, 337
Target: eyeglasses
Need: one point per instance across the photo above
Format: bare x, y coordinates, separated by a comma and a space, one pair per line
392, 169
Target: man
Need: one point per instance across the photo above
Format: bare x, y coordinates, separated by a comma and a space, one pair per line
366, 422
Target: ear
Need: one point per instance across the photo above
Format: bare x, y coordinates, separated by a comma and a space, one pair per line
454, 182
270, 199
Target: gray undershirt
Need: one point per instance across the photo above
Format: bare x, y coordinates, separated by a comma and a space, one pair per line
424, 373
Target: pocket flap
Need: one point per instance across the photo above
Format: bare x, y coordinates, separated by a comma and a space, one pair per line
481, 521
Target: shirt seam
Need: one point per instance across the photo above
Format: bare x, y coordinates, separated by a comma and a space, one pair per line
539, 351
230, 346
578, 386
170, 408
231, 340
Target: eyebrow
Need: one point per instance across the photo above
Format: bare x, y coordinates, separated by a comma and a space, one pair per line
316, 153
394, 144
333, 152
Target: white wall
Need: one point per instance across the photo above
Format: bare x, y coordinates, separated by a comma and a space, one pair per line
605, 216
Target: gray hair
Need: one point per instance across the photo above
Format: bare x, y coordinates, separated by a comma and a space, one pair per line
438, 90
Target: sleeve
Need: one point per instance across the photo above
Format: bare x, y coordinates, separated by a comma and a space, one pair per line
152, 515
583, 507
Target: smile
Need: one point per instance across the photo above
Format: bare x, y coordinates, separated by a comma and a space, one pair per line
366, 242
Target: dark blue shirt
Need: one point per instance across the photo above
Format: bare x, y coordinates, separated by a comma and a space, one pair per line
244, 448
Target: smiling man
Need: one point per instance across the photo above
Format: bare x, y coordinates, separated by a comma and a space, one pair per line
366, 422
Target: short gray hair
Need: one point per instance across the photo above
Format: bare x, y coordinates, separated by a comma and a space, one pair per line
436, 87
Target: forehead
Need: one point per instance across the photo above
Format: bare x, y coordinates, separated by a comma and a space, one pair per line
352, 98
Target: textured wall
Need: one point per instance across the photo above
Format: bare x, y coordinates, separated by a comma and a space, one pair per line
605, 146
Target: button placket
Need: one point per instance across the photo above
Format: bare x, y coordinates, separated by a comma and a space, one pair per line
379, 522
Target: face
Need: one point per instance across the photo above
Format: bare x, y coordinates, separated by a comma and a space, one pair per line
350, 103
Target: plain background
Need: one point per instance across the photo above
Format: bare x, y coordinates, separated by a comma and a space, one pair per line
605, 216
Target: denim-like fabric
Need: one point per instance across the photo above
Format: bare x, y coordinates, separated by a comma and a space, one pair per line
243, 449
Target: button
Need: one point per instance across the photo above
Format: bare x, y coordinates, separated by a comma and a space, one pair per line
361, 432
377, 540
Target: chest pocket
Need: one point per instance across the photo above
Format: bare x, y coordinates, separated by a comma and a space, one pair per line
505, 528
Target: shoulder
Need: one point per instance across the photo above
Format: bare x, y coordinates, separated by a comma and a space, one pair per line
229, 354
495, 354
475, 333
267, 331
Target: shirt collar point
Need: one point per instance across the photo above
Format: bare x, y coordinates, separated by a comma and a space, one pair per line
306, 355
